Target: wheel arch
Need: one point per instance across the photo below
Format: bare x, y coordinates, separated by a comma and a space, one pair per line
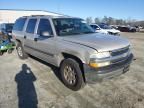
67, 55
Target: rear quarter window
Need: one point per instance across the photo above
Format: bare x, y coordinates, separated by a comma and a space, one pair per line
19, 24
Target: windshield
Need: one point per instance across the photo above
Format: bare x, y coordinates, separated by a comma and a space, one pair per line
71, 26
105, 27
95, 27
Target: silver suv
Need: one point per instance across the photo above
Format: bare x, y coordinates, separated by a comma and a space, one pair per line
69, 43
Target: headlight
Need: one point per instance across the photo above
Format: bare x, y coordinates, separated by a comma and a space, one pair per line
99, 56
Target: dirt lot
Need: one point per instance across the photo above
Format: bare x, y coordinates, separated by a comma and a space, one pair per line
43, 89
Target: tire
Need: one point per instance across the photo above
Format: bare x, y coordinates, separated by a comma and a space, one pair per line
9, 51
20, 51
75, 73
1, 53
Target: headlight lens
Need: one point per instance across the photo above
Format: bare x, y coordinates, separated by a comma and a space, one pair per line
94, 57
100, 55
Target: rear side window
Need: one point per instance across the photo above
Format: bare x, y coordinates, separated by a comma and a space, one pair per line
44, 25
19, 24
31, 26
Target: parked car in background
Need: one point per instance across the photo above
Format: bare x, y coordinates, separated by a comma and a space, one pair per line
70, 44
109, 29
98, 29
127, 29
137, 28
114, 27
140, 27
6, 29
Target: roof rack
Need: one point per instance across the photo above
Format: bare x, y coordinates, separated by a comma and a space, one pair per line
34, 15
24, 16
37, 15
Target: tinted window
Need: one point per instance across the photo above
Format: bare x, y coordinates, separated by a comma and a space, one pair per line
44, 25
9, 27
1, 26
19, 24
31, 26
71, 26
94, 26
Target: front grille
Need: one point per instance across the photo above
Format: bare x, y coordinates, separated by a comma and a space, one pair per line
119, 65
120, 51
120, 55
118, 60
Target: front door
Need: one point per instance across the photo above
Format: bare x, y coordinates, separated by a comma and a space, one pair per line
45, 45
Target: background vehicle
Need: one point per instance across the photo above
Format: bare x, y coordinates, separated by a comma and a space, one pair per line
127, 29
70, 44
98, 29
6, 29
137, 28
109, 29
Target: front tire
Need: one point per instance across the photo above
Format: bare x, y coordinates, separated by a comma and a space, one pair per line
71, 74
20, 51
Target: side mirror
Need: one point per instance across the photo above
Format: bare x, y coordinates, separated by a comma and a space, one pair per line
45, 33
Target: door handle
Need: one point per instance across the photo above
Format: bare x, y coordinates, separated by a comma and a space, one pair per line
24, 37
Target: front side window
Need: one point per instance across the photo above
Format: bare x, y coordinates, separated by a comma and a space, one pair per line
31, 25
44, 26
71, 26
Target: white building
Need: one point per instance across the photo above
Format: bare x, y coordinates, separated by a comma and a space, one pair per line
9, 16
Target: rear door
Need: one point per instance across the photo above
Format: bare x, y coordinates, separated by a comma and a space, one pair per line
18, 29
29, 36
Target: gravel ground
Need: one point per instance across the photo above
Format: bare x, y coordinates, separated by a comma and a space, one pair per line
41, 88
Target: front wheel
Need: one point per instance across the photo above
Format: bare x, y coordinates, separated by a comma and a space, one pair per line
71, 74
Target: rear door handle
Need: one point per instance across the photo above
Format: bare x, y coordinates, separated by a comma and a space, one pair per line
24, 37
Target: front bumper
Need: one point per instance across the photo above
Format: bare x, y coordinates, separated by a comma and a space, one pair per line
93, 75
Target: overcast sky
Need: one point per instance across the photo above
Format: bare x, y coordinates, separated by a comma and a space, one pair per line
82, 8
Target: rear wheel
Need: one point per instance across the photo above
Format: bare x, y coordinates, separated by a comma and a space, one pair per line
71, 74
1, 53
20, 51
9, 51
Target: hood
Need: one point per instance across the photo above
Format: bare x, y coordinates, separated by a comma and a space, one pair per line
99, 41
112, 30
102, 31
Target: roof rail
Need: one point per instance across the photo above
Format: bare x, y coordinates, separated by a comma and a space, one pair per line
24, 16
37, 15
